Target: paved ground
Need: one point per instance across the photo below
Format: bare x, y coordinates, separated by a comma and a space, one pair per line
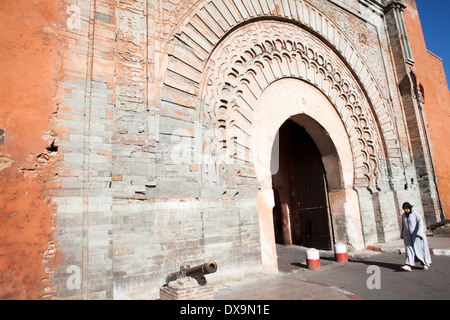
280, 287
291, 283
380, 267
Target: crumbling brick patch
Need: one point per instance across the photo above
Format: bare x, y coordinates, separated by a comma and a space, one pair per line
186, 289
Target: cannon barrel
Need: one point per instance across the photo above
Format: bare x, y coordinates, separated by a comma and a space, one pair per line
196, 272
206, 268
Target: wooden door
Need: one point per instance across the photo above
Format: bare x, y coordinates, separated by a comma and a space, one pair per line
301, 178
313, 205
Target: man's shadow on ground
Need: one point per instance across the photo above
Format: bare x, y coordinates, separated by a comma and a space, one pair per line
395, 267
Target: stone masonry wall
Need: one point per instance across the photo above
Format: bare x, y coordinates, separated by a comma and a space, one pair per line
135, 198
435, 99
405, 67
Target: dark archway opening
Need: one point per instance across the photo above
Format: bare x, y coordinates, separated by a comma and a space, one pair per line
301, 211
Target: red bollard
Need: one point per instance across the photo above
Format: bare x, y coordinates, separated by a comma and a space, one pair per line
313, 259
340, 252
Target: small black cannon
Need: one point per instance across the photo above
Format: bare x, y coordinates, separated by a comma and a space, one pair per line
197, 272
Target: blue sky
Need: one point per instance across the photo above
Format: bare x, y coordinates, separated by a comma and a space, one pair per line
435, 19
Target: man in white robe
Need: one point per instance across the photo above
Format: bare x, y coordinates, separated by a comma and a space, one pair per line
413, 235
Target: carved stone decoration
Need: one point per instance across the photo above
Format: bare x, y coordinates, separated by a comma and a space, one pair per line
131, 50
257, 55
132, 153
222, 80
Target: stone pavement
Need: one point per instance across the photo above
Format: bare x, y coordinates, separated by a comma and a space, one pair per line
290, 282
281, 286
287, 284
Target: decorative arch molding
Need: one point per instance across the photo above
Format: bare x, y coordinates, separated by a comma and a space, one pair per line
258, 54
321, 120
346, 78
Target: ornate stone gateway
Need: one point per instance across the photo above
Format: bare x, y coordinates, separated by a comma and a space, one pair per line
178, 155
239, 71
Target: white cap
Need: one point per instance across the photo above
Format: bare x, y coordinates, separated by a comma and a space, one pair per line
312, 254
340, 248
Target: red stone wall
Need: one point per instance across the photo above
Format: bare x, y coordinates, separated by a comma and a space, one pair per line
436, 96
30, 55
